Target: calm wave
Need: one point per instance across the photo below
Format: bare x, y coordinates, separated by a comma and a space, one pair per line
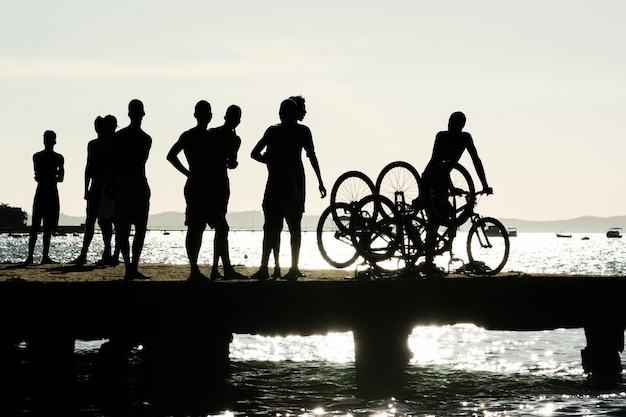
459, 370
530, 252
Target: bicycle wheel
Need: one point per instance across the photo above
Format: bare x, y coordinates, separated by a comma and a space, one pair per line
451, 194
333, 242
488, 246
399, 181
374, 229
349, 188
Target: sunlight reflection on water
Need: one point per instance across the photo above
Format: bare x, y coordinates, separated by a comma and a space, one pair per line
463, 347
530, 252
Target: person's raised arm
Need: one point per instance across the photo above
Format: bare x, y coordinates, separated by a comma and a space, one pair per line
172, 156
478, 165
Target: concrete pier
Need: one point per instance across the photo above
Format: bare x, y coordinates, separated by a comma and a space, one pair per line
186, 328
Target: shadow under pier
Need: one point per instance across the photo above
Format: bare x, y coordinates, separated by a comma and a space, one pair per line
185, 329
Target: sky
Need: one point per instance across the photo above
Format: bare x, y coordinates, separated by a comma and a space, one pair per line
543, 85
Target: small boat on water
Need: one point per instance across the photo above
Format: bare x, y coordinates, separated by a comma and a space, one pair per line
614, 232
563, 234
493, 231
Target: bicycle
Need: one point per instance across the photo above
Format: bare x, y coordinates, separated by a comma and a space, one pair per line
385, 233
333, 239
348, 190
488, 242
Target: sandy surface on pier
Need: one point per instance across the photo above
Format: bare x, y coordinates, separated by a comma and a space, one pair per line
156, 272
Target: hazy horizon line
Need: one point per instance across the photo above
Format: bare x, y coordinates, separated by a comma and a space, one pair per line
319, 214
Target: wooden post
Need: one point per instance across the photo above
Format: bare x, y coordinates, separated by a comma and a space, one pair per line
601, 356
51, 362
188, 369
381, 355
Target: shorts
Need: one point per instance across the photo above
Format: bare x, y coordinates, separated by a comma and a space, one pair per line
205, 205
99, 204
133, 202
46, 207
283, 198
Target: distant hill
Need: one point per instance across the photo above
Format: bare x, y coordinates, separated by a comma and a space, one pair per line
585, 224
253, 220
243, 220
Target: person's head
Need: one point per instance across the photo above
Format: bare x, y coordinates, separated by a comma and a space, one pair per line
456, 122
109, 124
288, 111
98, 124
202, 112
49, 139
233, 116
299, 100
136, 110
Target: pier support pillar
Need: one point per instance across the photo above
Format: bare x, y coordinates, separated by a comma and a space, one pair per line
381, 355
9, 371
188, 369
51, 363
604, 343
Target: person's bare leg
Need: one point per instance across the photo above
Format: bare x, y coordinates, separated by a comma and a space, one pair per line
269, 241
221, 250
107, 237
138, 241
47, 236
295, 231
122, 237
90, 223
193, 243
218, 252
276, 250
32, 241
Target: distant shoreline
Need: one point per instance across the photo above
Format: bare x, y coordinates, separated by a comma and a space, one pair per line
253, 221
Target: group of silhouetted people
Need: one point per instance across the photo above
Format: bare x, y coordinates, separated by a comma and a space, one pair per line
118, 195
116, 191
209, 153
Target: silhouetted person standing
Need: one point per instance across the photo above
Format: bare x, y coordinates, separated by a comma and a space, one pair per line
132, 147
223, 148
449, 146
285, 189
100, 203
194, 144
49, 170
301, 112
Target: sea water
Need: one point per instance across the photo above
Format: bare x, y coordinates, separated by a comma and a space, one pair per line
459, 370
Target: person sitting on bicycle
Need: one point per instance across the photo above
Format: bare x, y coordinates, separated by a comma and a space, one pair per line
449, 146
